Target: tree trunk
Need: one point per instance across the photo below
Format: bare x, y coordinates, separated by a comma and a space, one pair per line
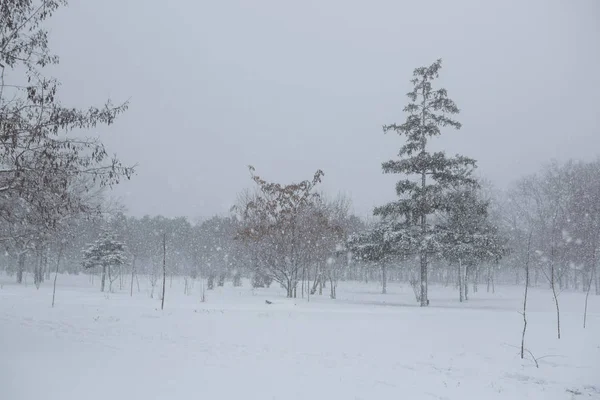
316, 281
332, 288
110, 279
303, 281
202, 291
60, 250
423, 295
162, 301
554, 294
46, 268
308, 284
103, 281
460, 283
557, 311
524, 322
597, 281
38, 276
466, 282
525, 298
20, 267
586, 298
383, 278
132, 275
321, 284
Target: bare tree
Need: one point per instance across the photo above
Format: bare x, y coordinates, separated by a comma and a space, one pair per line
39, 159
527, 258
272, 220
545, 202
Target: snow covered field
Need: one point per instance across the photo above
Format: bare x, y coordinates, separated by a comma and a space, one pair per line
363, 345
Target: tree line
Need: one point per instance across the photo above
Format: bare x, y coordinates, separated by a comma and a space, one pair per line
295, 236
446, 226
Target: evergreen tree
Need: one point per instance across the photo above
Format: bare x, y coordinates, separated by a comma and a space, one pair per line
106, 252
467, 235
383, 243
428, 111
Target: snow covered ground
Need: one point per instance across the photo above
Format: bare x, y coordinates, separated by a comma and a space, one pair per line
363, 345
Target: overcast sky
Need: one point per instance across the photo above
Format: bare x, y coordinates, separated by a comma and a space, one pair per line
291, 87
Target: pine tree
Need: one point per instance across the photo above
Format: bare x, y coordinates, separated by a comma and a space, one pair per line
428, 111
106, 252
383, 243
467, 235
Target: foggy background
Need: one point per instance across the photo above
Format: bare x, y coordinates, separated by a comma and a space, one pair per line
294, 87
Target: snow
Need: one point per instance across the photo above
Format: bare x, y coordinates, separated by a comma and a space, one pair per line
363, 345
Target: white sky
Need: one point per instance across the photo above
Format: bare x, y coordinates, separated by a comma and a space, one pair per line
291, 87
